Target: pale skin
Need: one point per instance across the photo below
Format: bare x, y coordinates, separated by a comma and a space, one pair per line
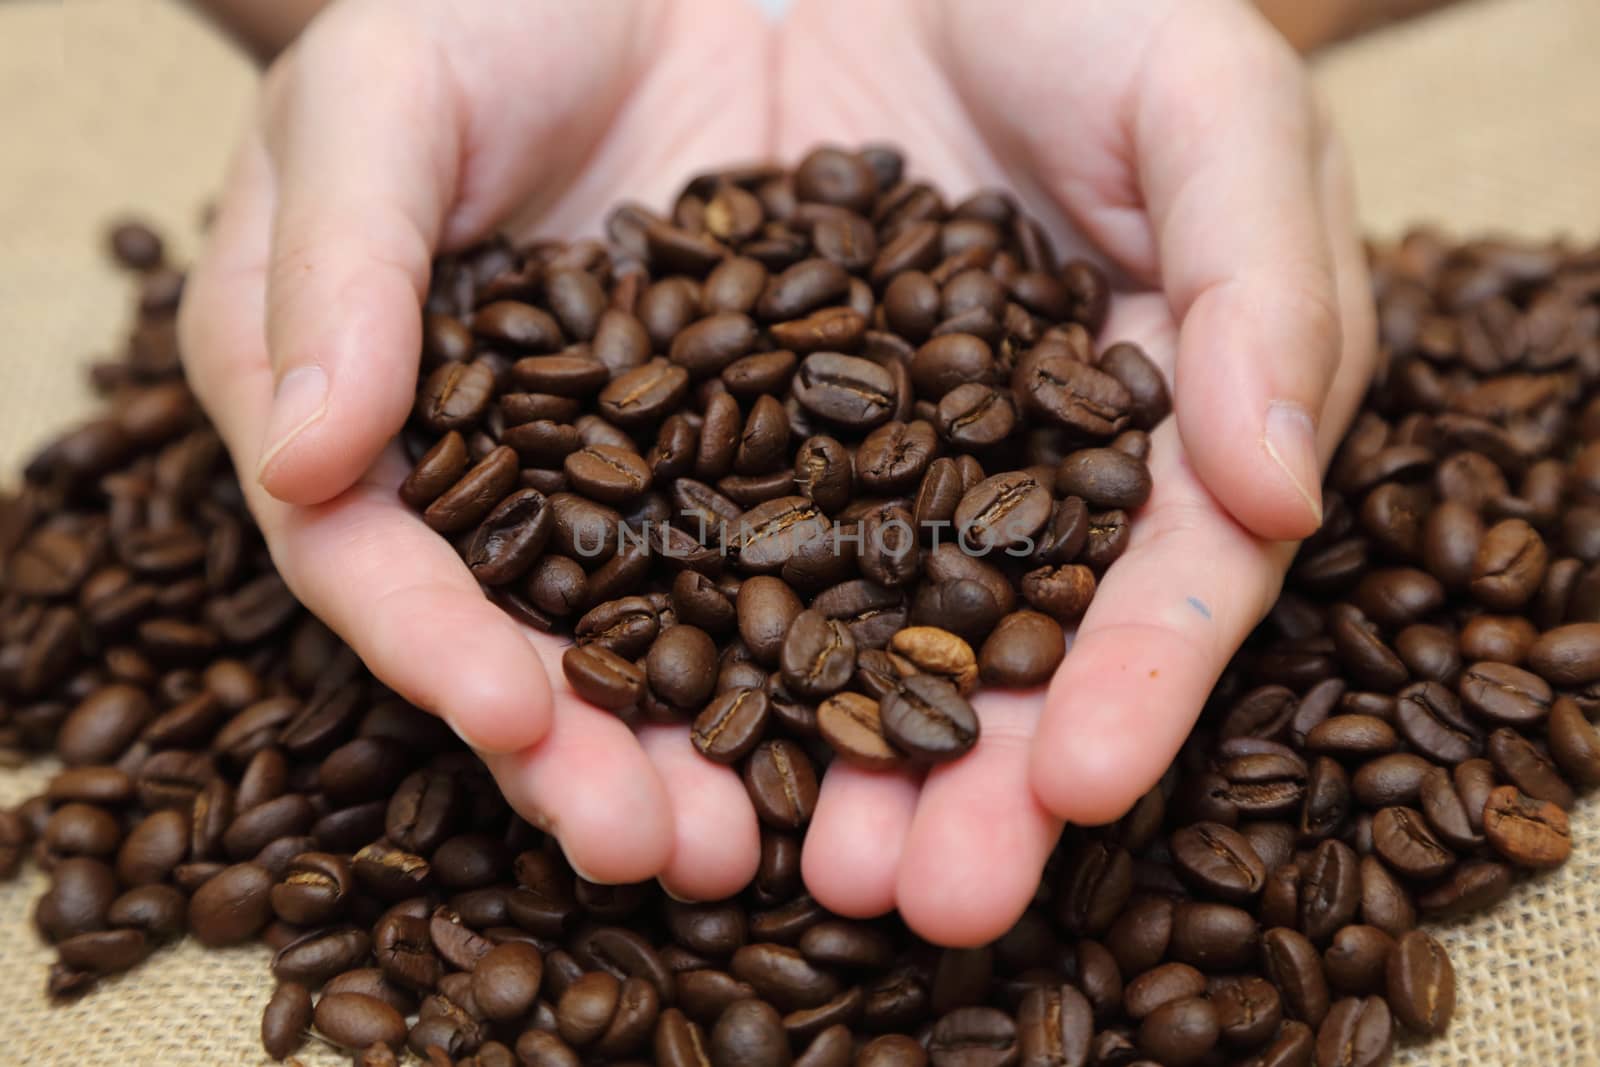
1175, 141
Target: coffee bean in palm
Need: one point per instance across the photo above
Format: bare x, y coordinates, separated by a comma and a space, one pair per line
602, 677
681, 666
471, 498
1001, 512
929, 720
1104, 478
1053, 384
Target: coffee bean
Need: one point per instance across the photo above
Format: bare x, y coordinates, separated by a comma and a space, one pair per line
1402, 837
819, 655
1218, 860
1104, 478
602, 677
854, 393
355, 1021
782, 784
1358, 1032
1181, 1032
285, 1020
1524, 766
1001, 512
928, 720
1291, 963
731, 725
1574, 743
979, 1036
1052, 384
233, 906
1528, 832
1504, 695
681, 667
1509, 565
1421, 983
506, 981
1022, 652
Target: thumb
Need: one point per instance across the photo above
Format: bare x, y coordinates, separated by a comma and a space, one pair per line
363, 140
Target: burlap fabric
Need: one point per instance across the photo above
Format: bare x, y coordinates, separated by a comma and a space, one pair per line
1480, 118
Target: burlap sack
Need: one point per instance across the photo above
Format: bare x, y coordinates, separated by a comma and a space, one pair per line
1480, 118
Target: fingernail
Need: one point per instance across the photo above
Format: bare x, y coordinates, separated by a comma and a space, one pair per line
300, 400
1291, 441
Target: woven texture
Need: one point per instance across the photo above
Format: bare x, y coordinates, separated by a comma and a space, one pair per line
1476, 119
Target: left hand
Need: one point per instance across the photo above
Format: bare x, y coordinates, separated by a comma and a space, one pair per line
1177, 143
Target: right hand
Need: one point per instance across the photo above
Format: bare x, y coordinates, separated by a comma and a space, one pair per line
391, 130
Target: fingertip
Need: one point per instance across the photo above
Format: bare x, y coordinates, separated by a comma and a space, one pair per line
939, 905
852, 849
716, 845
1084, 783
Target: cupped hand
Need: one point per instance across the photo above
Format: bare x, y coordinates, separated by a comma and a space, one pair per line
390, 130
1177, 143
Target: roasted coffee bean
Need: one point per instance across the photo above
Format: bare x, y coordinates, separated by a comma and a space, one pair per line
1061, 592
681, 667
1218, 860
782, 784
1023, 651
1574, 743
1509, 565
852, 725
1430, 718
818, 656
1104, 478
854, 393
231, 907
1291, 963
355, 1021
1128, 364
1358, 1032
1213, 937
285, 1020
1528, 832
1504, 695
731, 725
981, 1036
1421, 983
1181, 1032
1002, 512
1053, 384
928, 720
1401, 836
317, 956
1519, 762
602, 677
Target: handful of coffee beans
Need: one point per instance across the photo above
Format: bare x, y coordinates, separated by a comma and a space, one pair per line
1404, 733
783, 459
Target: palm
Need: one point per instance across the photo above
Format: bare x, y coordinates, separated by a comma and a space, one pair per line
480, 115
960, 851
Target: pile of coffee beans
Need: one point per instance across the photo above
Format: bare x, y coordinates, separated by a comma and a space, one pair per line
1401, 736
817, 417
